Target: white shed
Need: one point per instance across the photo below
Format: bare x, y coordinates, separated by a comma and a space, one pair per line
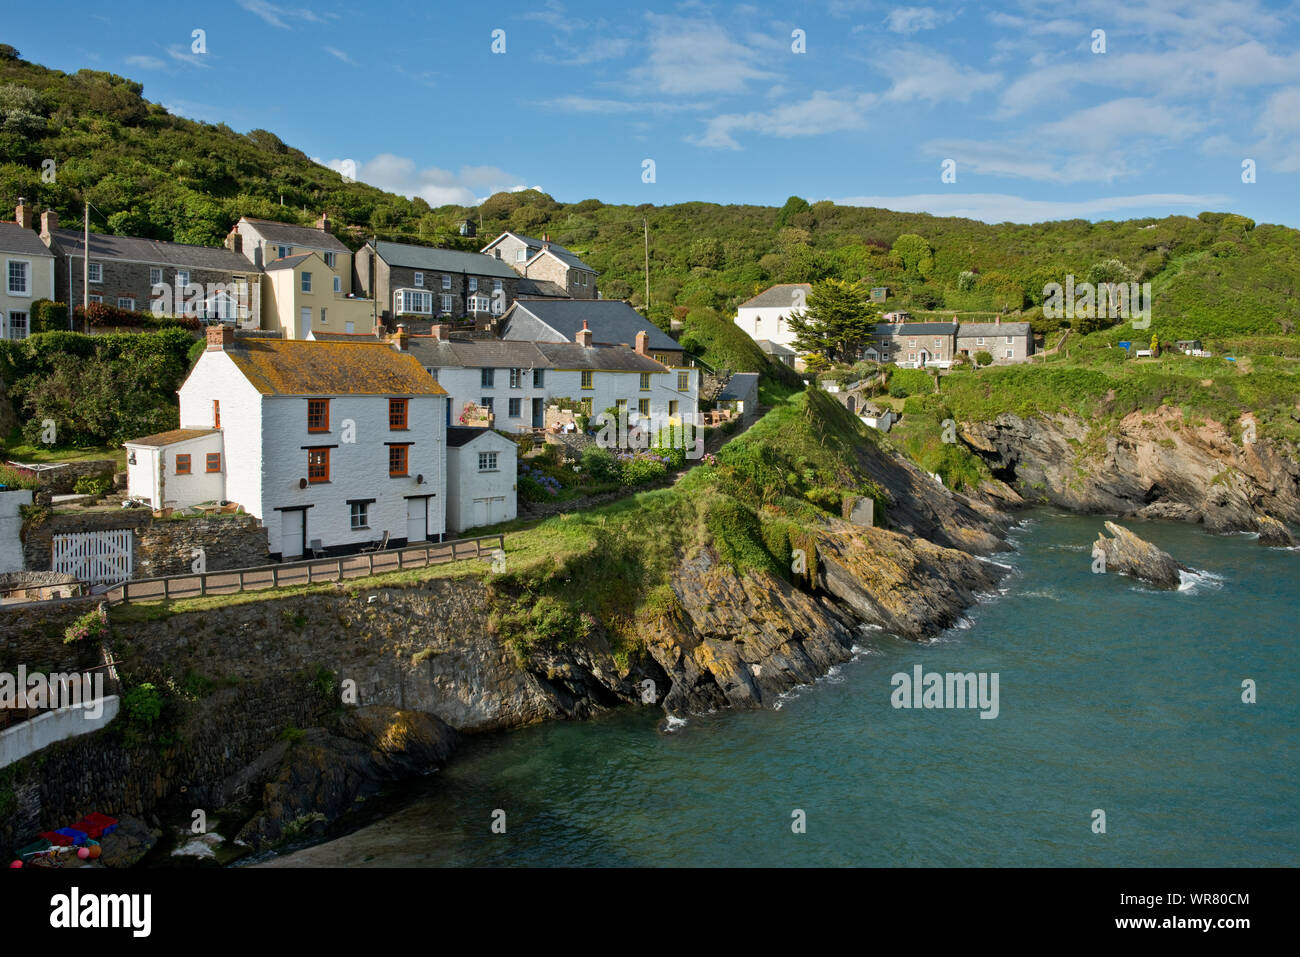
179, 468
480, 478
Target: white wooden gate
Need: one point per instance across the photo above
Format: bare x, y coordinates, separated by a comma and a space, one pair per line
96, 557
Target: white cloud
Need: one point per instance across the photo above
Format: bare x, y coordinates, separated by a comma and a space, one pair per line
276, 15
146, 62
694, 56
1124, 121
912, 19
819, 114
339, 54
1005, 208
438, 187
926, 75
183, 54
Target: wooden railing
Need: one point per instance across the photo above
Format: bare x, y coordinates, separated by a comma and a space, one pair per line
340, 568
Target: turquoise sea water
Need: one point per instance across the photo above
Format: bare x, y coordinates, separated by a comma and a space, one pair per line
1112, 696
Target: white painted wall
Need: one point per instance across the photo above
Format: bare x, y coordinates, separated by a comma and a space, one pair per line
11, 522
45, 729
159, 483
358, 469
467, 487
767, 322
215, 376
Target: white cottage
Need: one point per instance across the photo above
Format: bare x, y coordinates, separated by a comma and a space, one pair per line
480, 478
333, 445
766, 317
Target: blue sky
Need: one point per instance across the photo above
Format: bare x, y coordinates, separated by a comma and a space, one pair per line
1038, 125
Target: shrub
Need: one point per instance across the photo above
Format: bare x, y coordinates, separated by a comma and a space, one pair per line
600, 464
92, 626
141, 706
638, 468
983, 358
676, 457
92, 485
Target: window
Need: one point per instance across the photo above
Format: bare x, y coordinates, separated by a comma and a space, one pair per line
486, 402
478, 304
645, 382
93, 298
911, 357
306, 282
349, 327
938, 342
182, 278
643, 408
216, 413
318, 465
516, 378
17, 325
446, 282
473, 283
979, 340
521, 255
419, 280
496, 285
539, 378
586, 407
1011, 353
397, 461
586, 380
126, 302
433, 373
19, 278
96, 272
487, 461
155, 276
485, 377
318, 415
412, 300
683, 382
446, 303
338, 284
911, 343
360, 514
282, 251
214, 462
329, 259
323, 314
514, 412
397, 414
620, 406
1008, 340
182, 464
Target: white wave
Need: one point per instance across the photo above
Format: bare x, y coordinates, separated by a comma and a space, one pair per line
672, 723
1193, 581
1043, 593
990, 561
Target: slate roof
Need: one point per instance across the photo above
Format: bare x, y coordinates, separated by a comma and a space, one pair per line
569, 355
435, 259
774, 348
172, 437
287, 234
611, 321
540, 287
133, 248
994, 329
300, 367
458, 435
27, 242
916, 328
342, 336
738, 386
781, 294
566, 255
288, 262
475, 353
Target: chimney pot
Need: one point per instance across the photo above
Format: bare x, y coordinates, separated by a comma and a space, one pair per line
323, 223
235, 242
400, 340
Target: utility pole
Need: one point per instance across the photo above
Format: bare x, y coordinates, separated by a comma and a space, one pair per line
85, 266
646, 224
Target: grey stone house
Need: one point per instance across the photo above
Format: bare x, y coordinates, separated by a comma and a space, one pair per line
1004, 341
913, 344
208, 281
544, 260
417, 283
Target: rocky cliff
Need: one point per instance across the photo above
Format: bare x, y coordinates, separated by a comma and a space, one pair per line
1150, 465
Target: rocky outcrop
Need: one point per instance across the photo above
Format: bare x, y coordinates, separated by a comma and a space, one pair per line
130, 842
1273, 533
1127, 554
304, 785
1156, 464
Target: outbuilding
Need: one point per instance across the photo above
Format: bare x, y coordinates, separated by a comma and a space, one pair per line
480, 478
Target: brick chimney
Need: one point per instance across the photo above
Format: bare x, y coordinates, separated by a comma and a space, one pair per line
323, 223
220, 337
24, 215
546, 240
235, 242
400, 341
584, 335
642, 344
440, 331
380, 331
49, 223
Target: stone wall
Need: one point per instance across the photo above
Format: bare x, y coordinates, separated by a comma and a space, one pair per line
39, 544
60, 481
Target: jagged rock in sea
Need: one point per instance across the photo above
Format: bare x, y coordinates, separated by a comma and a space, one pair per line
1273, 533
1127, 554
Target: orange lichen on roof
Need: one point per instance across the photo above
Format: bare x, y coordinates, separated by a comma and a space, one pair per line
300, 367
170, 438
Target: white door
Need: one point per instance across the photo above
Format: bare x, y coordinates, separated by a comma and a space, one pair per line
417, 525
306, 321
291, 532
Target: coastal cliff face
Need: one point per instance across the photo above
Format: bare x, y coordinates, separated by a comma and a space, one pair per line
1152, 465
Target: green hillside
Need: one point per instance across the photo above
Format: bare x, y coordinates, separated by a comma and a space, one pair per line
153, 174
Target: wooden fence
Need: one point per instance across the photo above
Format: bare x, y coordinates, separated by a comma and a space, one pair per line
260, 577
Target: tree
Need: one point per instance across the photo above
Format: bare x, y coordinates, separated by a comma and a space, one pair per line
837, 322
913, 253
792, 206
983, 358
1109, 270
1155, 344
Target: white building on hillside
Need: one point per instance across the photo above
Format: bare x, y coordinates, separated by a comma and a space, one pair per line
333, 445
766, 317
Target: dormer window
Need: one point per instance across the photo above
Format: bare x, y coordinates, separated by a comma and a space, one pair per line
282, 251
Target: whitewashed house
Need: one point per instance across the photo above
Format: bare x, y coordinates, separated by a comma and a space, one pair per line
333, 445
481, 478
766, 317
